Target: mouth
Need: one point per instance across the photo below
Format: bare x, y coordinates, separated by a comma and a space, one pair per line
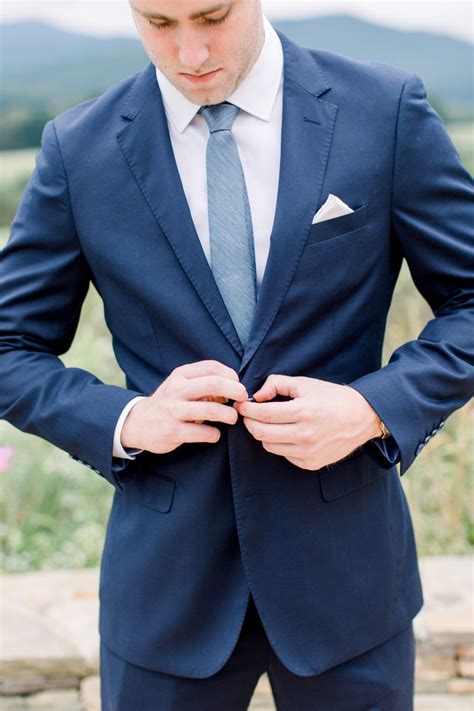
200, 78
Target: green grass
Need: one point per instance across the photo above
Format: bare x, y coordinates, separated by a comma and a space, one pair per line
55, 509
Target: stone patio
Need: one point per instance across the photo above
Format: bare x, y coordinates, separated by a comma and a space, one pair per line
49, 640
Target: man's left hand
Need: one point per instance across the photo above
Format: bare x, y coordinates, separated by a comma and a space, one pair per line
323, 423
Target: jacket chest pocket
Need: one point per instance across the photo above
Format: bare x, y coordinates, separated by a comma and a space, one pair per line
336, 227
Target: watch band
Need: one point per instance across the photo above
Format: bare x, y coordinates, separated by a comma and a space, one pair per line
384, 431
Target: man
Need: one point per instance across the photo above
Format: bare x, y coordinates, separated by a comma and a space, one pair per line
164, 192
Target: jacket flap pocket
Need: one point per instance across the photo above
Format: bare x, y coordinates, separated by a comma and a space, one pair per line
349, 475
152, 490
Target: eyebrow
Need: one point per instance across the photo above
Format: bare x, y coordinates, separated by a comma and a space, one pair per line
195, 15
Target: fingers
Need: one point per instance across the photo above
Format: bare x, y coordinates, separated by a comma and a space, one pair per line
200, 411
213, 386
277, 385
275, 434
283, 450
301, 463
191, 394
189, 433
272, 412
203, 368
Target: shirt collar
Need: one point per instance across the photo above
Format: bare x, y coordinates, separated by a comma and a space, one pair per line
256, 94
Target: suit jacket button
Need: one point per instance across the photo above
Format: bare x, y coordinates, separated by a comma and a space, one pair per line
427, 439
419, 448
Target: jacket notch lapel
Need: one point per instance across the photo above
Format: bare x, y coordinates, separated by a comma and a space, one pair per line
307, 130
146, 146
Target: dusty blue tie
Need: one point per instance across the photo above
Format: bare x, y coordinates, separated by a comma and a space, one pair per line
230, 222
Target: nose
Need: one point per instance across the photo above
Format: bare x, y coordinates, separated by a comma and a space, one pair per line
192, 51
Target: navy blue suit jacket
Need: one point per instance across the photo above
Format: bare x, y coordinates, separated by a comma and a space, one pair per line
329, 555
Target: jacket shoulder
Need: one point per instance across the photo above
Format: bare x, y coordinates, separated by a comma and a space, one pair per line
348, 75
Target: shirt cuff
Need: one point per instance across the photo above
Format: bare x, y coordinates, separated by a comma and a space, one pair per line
118, 450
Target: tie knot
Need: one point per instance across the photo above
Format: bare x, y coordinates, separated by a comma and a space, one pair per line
219, 117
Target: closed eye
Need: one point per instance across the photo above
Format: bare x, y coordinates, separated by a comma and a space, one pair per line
204, 20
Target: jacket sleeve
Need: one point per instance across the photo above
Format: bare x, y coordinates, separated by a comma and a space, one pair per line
44, 279
428, 378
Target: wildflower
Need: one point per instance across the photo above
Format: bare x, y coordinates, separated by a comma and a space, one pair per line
6, 454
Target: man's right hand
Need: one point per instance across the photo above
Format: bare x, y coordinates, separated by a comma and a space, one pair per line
173, 414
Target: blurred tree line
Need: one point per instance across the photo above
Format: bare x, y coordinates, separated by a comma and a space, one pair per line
22, 125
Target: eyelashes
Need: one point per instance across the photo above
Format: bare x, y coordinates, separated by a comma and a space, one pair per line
207, 21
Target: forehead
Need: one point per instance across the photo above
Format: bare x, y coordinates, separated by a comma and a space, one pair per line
179, 9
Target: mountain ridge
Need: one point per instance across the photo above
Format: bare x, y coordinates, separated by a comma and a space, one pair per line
51, 68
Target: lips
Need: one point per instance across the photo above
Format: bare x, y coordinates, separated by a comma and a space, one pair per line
200, 78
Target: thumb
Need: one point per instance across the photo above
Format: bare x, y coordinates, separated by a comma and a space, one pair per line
277, 385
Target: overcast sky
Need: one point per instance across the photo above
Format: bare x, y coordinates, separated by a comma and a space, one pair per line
112, 17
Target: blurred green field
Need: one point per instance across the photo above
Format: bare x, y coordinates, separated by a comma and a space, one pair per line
54, 509
462, 135
15, 169
15, 166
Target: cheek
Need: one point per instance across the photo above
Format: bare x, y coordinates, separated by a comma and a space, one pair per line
159, 48
226, 46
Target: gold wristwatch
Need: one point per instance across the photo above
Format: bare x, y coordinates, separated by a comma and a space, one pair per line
384, 431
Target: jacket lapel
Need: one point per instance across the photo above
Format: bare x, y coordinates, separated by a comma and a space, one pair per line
308, 123
147, 148
307, 128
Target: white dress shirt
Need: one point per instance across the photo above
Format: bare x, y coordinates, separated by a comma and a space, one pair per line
257, 132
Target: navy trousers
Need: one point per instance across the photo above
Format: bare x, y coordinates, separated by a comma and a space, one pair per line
381, 679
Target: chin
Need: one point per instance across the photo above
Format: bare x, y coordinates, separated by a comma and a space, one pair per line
205, 96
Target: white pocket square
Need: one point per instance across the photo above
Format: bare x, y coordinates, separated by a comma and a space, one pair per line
333, 207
